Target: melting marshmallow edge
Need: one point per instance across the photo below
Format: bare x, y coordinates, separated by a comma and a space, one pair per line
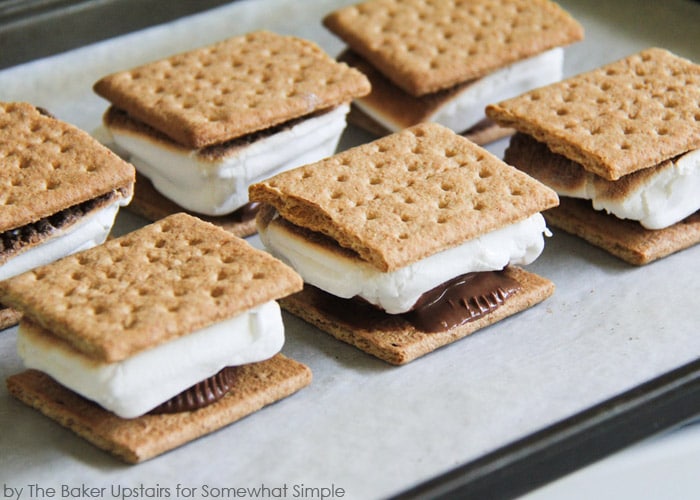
396, 292
136, 385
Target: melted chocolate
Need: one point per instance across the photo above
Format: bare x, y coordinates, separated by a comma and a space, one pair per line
200, 395
462, 299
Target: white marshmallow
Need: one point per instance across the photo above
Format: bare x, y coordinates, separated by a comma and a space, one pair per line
664, 199
218, 186
89, 231
466, 109
398, 291
138, 384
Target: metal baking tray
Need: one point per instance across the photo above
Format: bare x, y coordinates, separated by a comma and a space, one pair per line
30, 29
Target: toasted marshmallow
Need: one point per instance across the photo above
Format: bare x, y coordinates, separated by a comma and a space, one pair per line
91, 230
346, 276
214, 181
465, 109
666, 195
138, 384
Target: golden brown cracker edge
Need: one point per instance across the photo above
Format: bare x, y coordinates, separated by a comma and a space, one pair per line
139, 439
398, 342
625, 239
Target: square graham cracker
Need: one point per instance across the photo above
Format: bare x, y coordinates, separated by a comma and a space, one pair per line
153, 285
424, 46
135, 440
49, 165
622, 117
405, 196
391, 337
625, 239
232, 88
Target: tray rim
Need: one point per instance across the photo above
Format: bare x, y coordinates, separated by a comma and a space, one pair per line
661, 404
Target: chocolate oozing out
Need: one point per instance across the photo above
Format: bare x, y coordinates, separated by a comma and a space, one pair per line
202, 394
462, 299
455, 302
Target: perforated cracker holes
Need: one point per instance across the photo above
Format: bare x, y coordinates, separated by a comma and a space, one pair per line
428, 45
155, 284
625, 116
234, 87
405, 196
49, 165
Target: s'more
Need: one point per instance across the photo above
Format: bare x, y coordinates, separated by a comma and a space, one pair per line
155, 338
443, 61
621, 146
200, 126
60, 191
407, 243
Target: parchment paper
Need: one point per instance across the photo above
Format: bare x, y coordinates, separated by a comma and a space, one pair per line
365, 429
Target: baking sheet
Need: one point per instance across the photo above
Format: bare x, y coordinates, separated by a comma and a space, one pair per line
365, 429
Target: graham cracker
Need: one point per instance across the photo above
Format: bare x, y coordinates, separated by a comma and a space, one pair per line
135, 440
406, 110
147, 287
405, 196
625, 239
153, 206
622, 117
232, 88
395, 340
49, 165
424, 46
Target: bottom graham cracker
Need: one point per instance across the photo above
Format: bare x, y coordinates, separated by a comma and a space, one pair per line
625, 239
138, 439
391, 337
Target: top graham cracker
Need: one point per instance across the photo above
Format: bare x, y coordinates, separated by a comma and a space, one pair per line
49, 165
426, 46
405, 196
232, 88
628, 115
153, 285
